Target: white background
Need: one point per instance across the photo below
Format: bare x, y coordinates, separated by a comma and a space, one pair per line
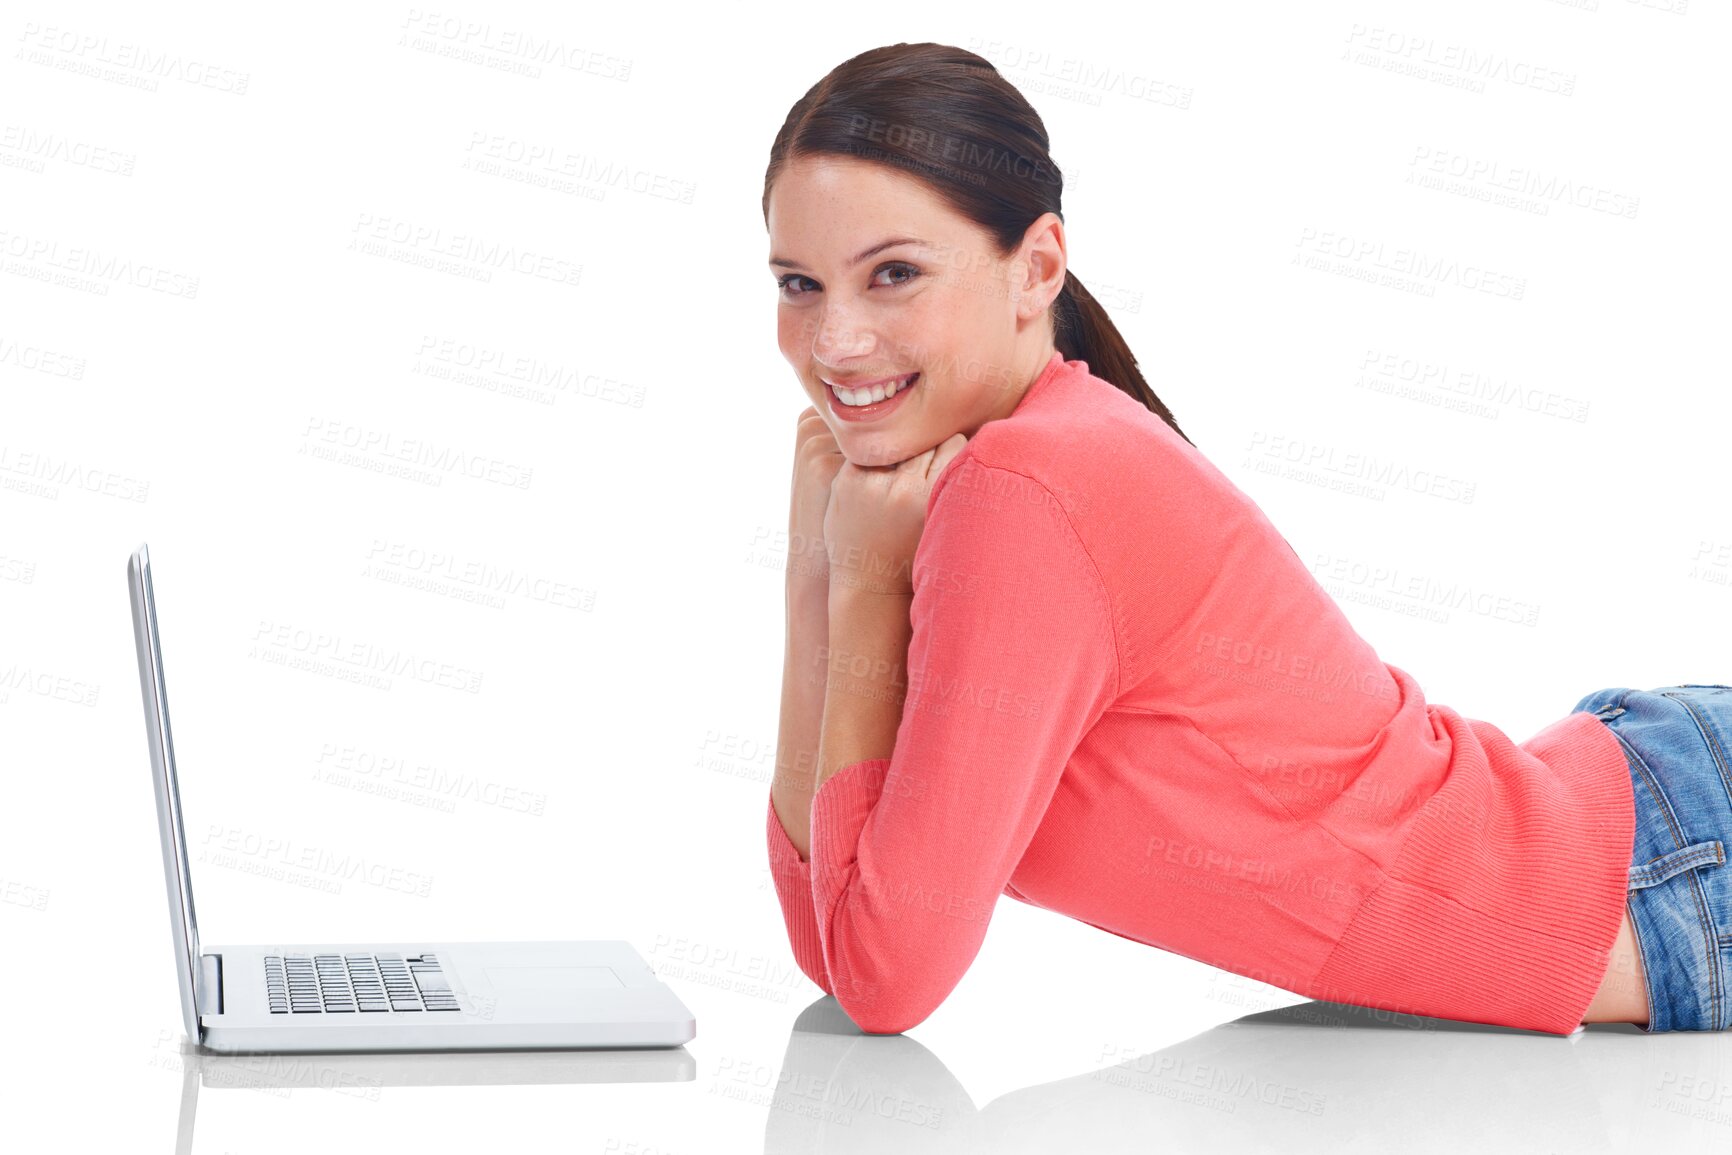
1238, 182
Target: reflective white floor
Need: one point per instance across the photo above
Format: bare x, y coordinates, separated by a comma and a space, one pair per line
1306, 1077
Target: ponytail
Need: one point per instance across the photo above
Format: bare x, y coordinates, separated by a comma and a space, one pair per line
1084, 332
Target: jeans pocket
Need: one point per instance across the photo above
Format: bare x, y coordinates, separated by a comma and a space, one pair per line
1690, 857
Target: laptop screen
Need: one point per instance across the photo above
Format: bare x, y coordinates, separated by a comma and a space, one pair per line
183, 923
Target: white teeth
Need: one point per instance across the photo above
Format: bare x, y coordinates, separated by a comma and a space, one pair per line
873, 394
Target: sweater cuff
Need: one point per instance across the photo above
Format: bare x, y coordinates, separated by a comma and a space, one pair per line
839, 811
808, 889
792, 876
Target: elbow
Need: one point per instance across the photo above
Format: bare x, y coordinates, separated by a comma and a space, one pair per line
877, 1011
889, 984
882, 1024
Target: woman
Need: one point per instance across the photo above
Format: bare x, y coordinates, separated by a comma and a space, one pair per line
1037, 645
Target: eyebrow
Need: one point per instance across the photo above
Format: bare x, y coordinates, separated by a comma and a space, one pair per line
860, 256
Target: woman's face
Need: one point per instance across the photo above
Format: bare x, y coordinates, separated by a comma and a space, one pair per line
878, 278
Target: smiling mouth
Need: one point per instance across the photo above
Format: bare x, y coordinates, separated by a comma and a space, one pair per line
873, 394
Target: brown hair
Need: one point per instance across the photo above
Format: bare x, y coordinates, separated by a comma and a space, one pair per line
946, 116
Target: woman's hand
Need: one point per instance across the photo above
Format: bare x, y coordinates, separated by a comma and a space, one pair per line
876, 516
816, 462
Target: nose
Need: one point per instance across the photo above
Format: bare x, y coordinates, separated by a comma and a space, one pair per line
839, 338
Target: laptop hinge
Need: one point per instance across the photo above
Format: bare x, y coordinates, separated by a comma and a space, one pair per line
210, 985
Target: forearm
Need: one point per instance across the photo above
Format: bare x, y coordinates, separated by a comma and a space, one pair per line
866, 683
807, 630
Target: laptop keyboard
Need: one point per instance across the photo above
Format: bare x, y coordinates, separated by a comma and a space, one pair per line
340, 983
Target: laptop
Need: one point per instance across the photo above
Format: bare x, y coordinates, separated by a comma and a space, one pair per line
402, 996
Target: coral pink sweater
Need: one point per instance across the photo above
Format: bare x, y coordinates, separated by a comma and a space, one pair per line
1130, 702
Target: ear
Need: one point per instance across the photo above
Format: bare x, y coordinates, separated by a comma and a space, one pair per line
1044, 272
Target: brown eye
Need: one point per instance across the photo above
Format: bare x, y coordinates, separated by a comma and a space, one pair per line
909, 269
909, 273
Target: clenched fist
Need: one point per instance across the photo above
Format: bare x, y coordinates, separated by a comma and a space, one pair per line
876, 516
816, 461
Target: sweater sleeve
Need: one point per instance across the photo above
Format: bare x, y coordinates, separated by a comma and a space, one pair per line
1012, 659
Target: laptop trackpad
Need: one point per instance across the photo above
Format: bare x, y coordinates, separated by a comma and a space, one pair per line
536, 988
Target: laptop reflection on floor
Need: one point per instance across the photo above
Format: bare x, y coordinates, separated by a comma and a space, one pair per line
421, 996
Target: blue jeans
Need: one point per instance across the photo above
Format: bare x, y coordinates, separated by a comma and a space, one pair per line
1678, 743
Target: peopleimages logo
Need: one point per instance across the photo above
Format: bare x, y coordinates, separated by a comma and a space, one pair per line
286, 644
405, 564
47, 685
90, 269
254, 853
93, 55
467, 254
43, 474
356, 444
